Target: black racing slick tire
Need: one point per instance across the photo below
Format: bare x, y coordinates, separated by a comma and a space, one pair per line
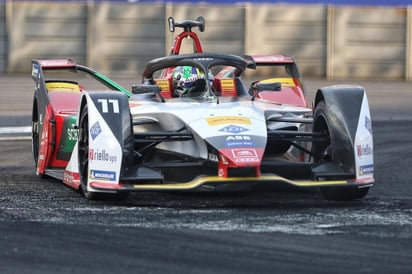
36, 137
83, 154
323, 153
35, 134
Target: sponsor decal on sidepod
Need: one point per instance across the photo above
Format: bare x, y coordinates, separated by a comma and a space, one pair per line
101, 155
233, 129
103, 175
95, 130
366, 169
245, 155
225, 120
364, 150
239, 141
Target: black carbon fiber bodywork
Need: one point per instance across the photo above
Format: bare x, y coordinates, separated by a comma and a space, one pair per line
343, 107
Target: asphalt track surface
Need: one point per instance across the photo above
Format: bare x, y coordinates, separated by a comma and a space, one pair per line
46, 227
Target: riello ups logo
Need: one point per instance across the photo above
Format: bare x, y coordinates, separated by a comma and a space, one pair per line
101, 155
364, 150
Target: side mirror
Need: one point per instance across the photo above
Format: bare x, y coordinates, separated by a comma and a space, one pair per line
171, 24
257, 87
277, 86
144, 89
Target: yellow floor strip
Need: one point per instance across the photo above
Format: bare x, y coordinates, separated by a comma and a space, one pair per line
220, 180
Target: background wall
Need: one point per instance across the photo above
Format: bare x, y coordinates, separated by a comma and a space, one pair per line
3, 38
334, 42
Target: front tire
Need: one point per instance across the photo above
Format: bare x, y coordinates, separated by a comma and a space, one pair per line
323, 153
83, 154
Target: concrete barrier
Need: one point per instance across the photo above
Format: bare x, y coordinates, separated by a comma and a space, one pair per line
3, 38
334, 42
367, 42
123, 37
288, 29
45, 30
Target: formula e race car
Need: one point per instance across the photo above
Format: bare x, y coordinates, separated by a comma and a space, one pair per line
193, 124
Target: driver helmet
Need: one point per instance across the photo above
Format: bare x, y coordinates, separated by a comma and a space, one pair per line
184, 77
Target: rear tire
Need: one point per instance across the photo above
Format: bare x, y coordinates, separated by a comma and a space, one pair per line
323, 153
35, 138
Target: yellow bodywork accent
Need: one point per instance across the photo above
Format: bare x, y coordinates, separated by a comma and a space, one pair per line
225, 120
163, 84
62, 86
216, 180
284, 81
227, 84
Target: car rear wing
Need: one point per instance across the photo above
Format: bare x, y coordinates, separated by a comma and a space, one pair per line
55, 63
39, 65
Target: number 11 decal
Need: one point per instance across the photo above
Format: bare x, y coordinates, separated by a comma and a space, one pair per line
109, 102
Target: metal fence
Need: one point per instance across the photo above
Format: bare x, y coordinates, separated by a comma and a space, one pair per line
336, 42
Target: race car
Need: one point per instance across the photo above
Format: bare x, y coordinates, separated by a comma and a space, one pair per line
192, 124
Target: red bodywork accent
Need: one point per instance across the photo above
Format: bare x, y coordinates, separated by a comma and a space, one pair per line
197, 47
362, 181
46, 143
270, 59
65, 102
166, 84
291, 95
71, 179
56, 63
100, 185
288, 95
225, 87
238, 158
62, 104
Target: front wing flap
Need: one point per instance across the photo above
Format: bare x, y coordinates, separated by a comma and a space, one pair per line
214, 182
